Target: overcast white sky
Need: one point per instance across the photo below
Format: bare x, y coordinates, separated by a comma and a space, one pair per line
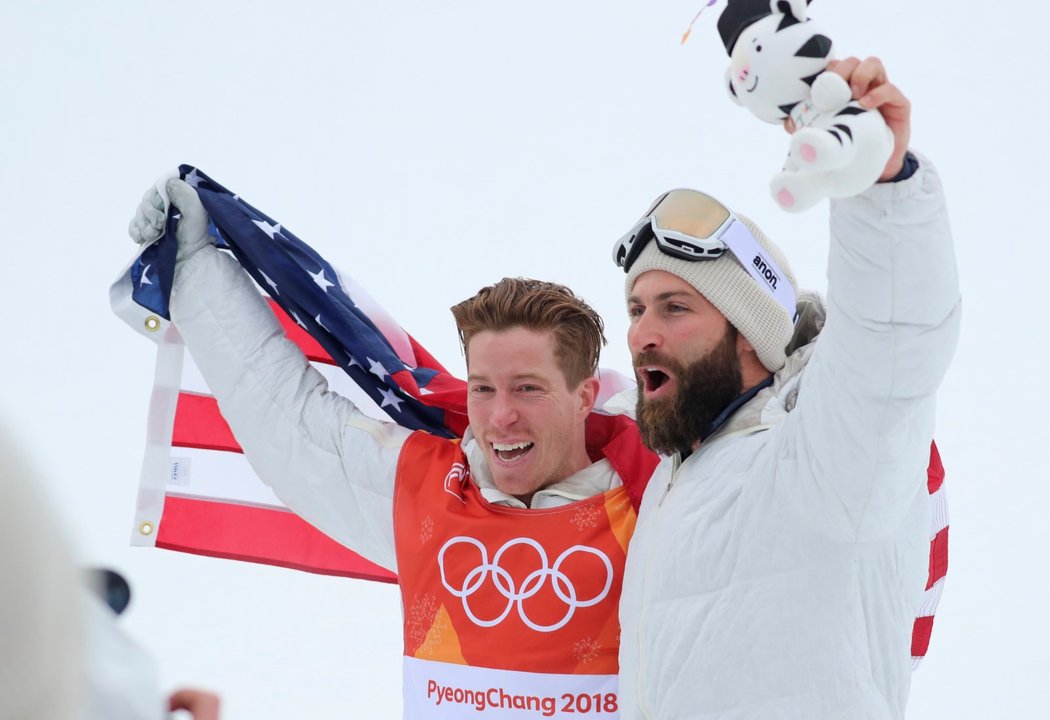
432, 148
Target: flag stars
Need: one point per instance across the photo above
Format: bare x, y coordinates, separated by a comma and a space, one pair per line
193, 179
353, 362
320, 324
376, 368
321, 280
297, 320
144, 280
389, 398
269, 282
267, 228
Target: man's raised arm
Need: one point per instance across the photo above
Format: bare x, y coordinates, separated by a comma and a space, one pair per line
328, 462
867, 402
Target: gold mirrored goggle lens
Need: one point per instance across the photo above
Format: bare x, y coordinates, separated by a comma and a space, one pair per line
690, 213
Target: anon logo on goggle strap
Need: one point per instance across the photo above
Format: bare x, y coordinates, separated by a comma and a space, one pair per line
765, 271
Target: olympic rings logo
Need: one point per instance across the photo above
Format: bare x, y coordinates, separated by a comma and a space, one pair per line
533, 583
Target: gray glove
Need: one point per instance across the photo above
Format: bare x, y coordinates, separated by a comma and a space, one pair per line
148, 223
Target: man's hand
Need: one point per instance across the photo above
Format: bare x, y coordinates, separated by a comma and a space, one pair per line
873, 90
148, 223
200, 704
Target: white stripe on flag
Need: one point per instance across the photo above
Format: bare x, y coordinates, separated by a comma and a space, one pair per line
930, 599
217, 475
939, 511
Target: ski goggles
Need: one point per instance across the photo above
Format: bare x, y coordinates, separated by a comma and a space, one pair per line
693, 226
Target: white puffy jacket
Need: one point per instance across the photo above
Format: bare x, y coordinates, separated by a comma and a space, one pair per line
776, 572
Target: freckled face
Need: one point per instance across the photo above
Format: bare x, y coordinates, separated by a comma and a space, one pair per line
528, 422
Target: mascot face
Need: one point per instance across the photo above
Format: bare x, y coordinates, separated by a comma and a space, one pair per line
773, 64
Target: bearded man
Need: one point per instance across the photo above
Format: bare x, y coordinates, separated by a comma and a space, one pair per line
781, 548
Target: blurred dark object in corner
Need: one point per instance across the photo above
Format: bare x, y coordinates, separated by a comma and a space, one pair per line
110, 587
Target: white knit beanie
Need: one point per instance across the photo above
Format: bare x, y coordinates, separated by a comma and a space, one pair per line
727, 285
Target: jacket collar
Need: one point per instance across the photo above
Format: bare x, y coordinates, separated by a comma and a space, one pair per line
772, 402
596, 478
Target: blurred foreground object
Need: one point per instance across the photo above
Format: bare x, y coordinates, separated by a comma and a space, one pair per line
39, 623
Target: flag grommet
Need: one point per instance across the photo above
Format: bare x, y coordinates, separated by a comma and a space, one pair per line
146, 528
153, 323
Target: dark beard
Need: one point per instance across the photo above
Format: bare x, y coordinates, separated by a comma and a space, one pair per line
705, 389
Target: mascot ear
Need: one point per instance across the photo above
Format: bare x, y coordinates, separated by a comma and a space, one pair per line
794, 8
730, 89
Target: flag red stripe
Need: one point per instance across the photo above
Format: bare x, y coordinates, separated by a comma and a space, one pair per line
920, 636
199, 424
935, 471
260, 535
938, 557
444, 391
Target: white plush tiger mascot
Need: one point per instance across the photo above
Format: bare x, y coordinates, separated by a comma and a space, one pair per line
776, 70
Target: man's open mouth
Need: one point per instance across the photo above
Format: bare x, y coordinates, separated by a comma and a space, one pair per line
653, 378
508, 452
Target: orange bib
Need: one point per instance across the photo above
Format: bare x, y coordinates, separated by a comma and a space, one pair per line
508, 613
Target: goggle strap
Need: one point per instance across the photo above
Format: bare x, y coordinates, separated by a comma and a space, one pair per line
759, 265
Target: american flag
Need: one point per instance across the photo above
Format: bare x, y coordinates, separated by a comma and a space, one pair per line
314, 296
365, 354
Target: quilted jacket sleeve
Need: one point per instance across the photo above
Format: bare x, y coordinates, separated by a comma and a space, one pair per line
327, 462
865, 415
